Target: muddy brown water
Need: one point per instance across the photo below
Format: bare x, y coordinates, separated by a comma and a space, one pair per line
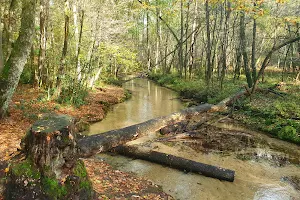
256, 177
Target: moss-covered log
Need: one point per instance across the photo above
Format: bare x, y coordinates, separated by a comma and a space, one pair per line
103, 142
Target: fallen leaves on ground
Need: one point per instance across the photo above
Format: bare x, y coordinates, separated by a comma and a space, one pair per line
115, 184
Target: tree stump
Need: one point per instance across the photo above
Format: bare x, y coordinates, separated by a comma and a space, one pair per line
51, 169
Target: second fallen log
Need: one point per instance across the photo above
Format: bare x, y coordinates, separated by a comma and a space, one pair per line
177, 162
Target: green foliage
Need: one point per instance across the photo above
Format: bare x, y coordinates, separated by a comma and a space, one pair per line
289, 133
195, 89
112, 81
26, 77
73, 95
273, 114
127, 95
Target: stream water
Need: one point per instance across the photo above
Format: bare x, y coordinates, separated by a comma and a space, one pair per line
255, 179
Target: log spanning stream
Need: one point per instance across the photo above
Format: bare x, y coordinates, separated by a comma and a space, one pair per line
258, 177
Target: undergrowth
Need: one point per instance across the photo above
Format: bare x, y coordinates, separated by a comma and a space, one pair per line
271, 113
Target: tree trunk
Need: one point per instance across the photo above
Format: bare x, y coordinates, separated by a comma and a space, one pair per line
1, 52
177, 162
208, 47
244, 49
7, 29
227, 7
18, 55
79, 47
193, 41
158, 36
180, 44
253, 59
44, 14
64, 52
148, 40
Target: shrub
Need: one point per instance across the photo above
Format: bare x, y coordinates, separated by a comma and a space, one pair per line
289, 133
74, 96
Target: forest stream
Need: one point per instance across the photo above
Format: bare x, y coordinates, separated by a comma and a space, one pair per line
265, 167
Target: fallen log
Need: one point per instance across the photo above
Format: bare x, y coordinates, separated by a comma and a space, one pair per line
177, 162
91, 145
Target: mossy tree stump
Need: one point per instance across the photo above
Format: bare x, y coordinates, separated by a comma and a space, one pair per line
51, 169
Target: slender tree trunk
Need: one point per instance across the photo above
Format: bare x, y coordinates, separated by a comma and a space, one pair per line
208, 47
64, 52
79, 47
18, 55
180, 49
244, 49
227, 8
158, 35
148, 40
193, 41
44, 14
1, 52
166, 52
7, 29
186, 60
253, 59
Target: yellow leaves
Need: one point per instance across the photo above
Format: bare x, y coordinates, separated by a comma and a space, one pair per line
292, 20
6, 170
280, 1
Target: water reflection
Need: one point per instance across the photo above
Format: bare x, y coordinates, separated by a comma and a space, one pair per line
148, 101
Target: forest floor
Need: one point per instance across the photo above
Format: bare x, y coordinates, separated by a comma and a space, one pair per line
29, 104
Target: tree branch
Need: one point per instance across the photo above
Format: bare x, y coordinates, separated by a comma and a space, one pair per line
268, 57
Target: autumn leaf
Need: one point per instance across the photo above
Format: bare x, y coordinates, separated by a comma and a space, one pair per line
6, 170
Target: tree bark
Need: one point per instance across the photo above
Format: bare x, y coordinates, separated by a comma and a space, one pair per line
244, 49
79, 47
64, 52
253, 59
177, 162
193, 41
102, 142
208, 47
7, 29
44, 13
1, 51
19, 55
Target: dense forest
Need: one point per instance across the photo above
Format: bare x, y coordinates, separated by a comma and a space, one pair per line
63, 56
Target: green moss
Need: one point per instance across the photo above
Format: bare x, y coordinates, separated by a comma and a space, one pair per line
80, 170
26, 168
53, 188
